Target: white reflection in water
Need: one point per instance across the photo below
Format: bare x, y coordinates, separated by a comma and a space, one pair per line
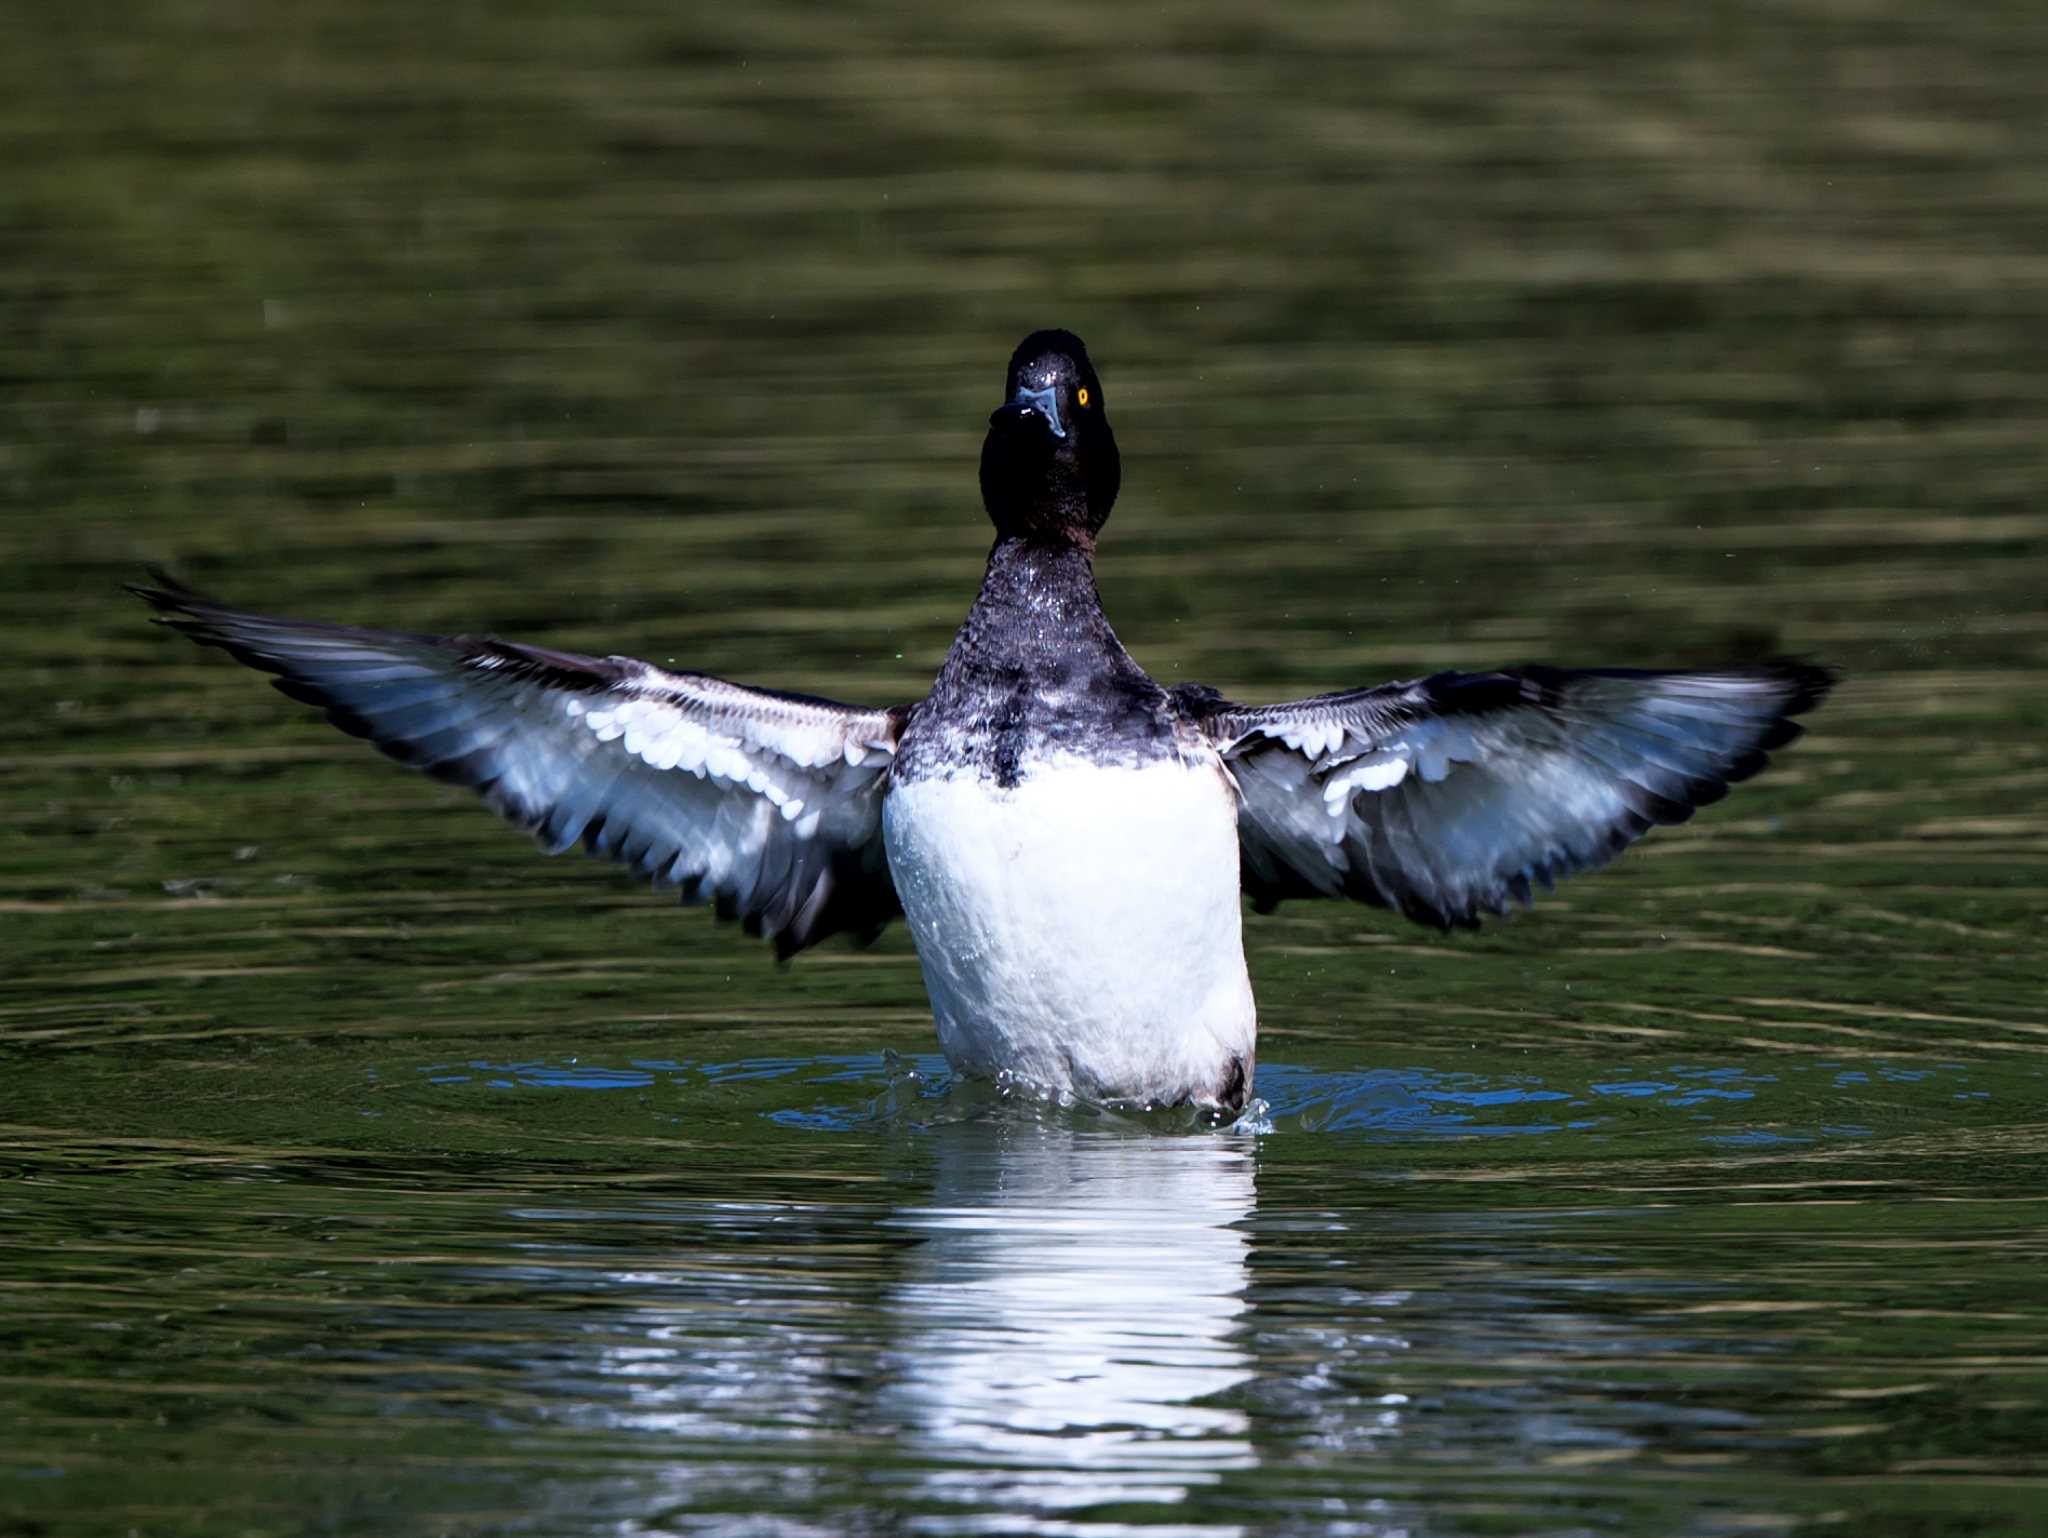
1074, 1307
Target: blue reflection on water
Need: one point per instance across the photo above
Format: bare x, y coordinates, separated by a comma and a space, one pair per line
1691, 1086
882, 1090
1413, 1102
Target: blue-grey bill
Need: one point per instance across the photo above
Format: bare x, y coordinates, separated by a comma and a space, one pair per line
1046, 403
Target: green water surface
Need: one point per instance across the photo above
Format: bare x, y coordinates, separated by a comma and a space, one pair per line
362, 1172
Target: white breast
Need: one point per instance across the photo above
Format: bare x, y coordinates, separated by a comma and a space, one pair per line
1080, 932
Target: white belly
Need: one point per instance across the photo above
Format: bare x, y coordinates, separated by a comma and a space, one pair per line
1080, 932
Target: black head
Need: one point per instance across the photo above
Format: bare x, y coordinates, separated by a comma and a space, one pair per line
1049, 466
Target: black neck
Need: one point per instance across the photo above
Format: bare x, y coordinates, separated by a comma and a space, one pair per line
1058, 515
1036, 672
1037, 623
1038, 599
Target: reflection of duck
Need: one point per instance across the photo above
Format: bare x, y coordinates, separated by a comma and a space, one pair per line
1066, 838
1074, 1301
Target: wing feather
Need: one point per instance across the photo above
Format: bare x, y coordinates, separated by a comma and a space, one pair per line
1459, 794
763, 803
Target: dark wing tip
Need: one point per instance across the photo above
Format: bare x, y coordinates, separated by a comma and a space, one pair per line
1809, 682
167, 588
1806, 684
171, 598
200, 619
207, 621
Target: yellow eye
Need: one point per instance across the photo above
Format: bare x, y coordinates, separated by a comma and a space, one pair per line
1083, 396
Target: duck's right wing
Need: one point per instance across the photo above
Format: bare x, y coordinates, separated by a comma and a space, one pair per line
767, 805
1450, 796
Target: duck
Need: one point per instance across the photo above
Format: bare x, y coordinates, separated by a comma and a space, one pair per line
1071, 844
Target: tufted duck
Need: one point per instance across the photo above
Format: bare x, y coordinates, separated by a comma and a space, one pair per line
1066, 838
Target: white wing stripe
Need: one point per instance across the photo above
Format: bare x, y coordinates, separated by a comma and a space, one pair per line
1373, 771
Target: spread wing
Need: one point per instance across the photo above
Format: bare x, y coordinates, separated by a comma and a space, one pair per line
1448, 796
767, 805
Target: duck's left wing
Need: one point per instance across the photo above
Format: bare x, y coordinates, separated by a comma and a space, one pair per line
1452, 795
767, 805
